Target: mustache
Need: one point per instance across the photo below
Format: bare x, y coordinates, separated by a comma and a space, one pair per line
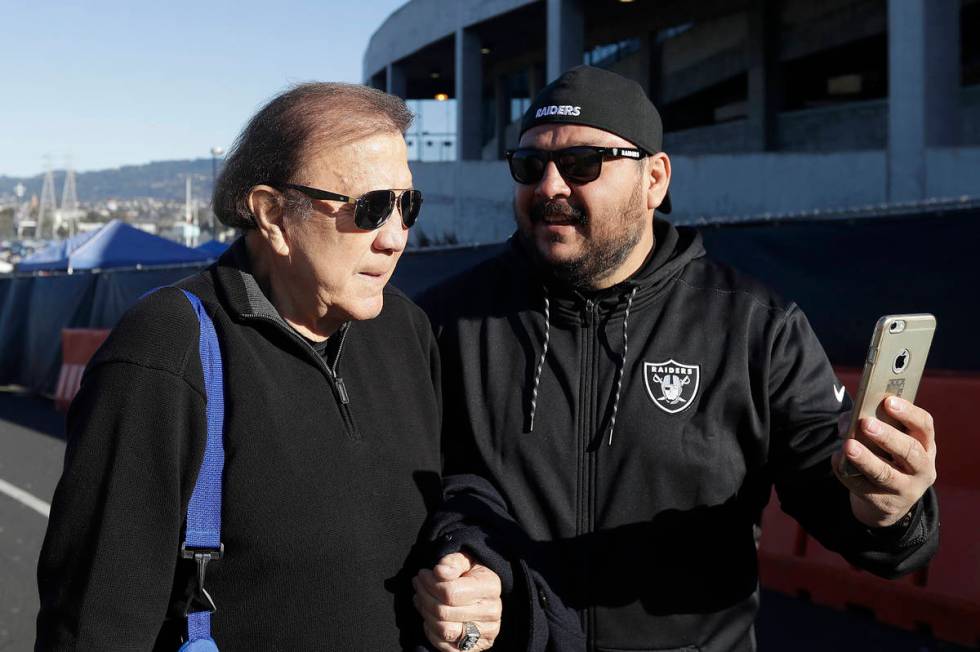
558, 210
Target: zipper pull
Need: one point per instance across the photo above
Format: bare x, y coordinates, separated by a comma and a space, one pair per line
342, 390
589, 311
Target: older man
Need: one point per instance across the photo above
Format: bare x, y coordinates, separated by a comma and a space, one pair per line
633, 402
331, 423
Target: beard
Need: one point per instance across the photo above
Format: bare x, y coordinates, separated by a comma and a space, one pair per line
610, 239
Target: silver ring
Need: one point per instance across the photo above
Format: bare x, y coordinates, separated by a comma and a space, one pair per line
469, 637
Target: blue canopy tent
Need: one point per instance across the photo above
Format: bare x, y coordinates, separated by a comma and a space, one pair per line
116, 244
49, 257
118, 264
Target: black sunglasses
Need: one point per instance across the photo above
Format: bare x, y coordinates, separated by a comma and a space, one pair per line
372, 209
580, 164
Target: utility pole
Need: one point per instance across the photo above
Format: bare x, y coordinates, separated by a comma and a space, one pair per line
22, 220
69, 201
191, 229
47, 208
215, 153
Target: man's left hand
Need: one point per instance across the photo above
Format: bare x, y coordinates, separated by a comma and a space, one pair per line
887, 489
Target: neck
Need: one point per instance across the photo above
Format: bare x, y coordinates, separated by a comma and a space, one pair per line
295, 301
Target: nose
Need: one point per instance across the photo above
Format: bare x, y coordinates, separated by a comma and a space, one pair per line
392, 236
552, 184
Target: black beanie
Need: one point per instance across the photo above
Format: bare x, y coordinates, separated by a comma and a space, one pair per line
598, 98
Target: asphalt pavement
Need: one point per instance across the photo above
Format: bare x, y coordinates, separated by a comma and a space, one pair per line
32, 449
31, 456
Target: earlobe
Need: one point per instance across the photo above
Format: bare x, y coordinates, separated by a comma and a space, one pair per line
263, 202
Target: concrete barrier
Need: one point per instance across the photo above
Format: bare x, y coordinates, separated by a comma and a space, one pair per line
943, 598
78, 345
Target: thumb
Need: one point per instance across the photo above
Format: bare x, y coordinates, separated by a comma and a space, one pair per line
452, 566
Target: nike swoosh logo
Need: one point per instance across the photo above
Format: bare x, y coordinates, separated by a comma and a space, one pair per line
839, 393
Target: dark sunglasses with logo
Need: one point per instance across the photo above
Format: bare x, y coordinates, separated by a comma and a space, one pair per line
578, 165
372, 209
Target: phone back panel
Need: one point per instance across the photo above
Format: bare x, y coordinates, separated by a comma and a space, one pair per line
895, 362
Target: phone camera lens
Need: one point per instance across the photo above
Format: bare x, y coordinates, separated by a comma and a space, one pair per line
896, 326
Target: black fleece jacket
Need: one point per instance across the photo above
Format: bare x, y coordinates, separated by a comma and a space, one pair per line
323, 498
649, 529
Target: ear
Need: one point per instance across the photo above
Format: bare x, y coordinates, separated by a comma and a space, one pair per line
658, 177
265, 204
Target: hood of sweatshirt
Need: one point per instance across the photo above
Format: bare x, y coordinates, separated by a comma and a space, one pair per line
673, 249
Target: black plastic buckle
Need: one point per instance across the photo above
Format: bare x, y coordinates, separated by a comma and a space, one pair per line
200, 599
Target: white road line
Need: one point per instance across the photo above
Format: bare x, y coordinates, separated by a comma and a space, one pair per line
25, 498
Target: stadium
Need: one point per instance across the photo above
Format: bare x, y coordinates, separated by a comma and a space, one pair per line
774, 108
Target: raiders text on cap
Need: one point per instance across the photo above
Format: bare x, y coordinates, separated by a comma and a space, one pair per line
564, 109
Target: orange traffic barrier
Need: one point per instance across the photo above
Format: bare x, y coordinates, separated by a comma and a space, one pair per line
78, 345
943, 598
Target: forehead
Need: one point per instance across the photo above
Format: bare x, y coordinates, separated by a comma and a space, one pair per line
379, 161
555, 136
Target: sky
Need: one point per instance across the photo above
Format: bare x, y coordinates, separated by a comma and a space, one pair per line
105, 83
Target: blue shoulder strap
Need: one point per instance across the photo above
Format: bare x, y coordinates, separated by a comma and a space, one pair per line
203, 538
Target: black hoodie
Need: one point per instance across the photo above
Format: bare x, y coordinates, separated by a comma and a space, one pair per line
635, 435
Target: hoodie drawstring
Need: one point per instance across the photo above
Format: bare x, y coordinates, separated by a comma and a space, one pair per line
622, 365
544, 352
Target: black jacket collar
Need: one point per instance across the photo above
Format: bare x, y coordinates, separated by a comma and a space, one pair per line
242, 294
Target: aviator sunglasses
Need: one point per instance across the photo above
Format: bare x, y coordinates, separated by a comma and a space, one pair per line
372, 209
580, 164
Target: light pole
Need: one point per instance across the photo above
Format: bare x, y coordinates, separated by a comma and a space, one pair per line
215, 153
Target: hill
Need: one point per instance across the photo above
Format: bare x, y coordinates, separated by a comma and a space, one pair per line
158, 179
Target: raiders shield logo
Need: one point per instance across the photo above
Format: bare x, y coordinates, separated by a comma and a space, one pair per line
671, 385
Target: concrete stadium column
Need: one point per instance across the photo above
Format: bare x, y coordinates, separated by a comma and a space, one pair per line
501, 93
655, 70
397, 81
534, 84
765, 88
566, 36
469, 95
923, 89
644, 67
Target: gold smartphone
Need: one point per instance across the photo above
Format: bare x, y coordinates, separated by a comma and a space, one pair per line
893, 367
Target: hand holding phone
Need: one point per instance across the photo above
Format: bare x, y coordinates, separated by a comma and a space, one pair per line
895, 462
893, 367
